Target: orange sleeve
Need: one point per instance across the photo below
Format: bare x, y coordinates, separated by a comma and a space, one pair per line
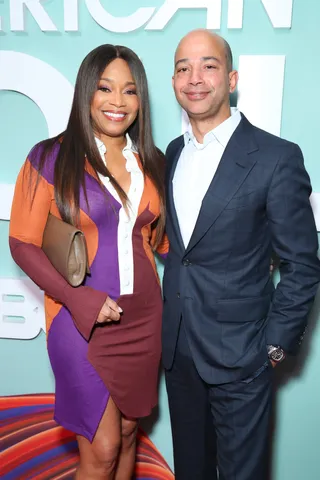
28, 218
163, 247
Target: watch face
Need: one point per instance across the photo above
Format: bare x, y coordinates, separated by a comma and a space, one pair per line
277, 355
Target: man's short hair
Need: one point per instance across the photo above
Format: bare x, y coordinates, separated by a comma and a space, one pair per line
229, 57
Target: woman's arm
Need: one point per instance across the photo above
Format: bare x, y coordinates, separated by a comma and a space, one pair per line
163, 248
27, 223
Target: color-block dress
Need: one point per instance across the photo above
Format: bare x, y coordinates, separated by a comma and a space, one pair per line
90, 362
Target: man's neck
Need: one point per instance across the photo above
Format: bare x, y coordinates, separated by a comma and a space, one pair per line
201, 127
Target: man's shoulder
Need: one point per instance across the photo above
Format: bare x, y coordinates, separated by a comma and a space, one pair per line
174, 146
269, 141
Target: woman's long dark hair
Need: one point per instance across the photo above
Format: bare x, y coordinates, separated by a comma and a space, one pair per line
78, 142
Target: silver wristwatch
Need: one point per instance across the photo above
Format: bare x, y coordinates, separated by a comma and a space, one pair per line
275, 353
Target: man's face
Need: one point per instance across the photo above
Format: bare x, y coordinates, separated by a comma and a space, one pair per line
201, 80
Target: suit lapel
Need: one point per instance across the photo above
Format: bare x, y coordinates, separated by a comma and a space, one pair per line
233, 169
170, 200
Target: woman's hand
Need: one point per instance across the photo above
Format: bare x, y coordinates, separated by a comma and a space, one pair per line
110, 312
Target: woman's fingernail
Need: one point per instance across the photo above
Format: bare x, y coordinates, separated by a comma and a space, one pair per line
120, 309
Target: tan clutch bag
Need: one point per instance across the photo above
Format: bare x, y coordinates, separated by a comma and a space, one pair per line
66, 248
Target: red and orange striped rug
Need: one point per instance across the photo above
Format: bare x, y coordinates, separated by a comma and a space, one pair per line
33, 446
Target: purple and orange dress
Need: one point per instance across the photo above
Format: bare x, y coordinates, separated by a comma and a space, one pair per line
92, 362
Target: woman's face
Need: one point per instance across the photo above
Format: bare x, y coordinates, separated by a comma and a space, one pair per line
115, 104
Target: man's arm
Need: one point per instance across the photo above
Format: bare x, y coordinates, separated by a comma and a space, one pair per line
294, 240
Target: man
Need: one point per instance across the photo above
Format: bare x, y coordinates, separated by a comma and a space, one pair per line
236, 195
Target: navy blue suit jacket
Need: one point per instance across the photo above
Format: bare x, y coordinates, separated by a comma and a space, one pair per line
257, 204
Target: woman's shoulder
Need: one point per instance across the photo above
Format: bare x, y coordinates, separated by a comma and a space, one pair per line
46, 151
42, 157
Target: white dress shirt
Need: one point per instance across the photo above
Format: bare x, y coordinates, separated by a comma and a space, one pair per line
195, 170
126, 221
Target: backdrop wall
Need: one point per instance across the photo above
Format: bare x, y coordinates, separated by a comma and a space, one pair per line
42, 44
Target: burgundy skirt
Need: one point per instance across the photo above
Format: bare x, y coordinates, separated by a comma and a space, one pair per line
126, 354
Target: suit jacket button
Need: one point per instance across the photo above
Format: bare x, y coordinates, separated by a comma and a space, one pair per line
186, 262
178, 294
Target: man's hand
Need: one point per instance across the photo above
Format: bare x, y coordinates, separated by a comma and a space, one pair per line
110, 312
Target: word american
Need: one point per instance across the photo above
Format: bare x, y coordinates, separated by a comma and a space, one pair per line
278, 11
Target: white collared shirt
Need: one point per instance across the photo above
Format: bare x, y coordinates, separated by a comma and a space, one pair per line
126, 221
195, 170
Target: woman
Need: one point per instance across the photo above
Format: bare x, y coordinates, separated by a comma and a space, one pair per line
105, 175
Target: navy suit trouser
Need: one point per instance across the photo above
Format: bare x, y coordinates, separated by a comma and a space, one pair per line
218, 427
